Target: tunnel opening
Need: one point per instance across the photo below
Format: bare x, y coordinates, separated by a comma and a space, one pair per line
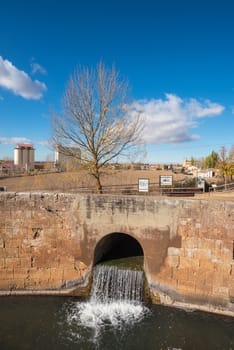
117, 246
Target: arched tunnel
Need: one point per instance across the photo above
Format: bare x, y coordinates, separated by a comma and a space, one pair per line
116, 246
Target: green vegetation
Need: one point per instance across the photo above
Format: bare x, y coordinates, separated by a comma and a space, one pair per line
222, 161
211, 161
130, 263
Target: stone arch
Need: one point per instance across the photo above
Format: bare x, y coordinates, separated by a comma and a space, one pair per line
115, 246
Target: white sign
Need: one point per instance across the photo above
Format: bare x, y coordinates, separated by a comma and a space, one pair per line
165, 180
143, 185
201, 184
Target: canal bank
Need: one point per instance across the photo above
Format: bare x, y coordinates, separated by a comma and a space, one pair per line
49, 243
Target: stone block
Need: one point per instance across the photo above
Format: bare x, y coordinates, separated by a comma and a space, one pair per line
21, 273
7, 284
12, 243
165, 273
209, 278
189, 252
205, 243
25, 261
25, 249
56, 274
6, 233
172, 251
19, 231
192, 274
66, 261
80, 265
70, 274
173, 261
186, 286
42, 257
187, 262
40, 273
6, 274
31, 283
206, 265
191, 242
220, 291
180, 273
11, 252
231, 292
12, 262
202, 254
227, 252
2, 252
203, 290
222, 274
218, 244
17, 284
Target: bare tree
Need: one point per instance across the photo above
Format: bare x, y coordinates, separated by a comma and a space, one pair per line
95, 119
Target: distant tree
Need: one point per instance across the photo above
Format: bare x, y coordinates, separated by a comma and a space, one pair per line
226, 163
211, 160
231, 154
95, 119
231, 161
200, 163
192, 160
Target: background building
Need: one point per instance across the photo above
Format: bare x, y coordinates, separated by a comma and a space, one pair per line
24, 155
66, 158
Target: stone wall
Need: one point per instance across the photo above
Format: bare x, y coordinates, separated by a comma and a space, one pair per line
40, 248
47, 244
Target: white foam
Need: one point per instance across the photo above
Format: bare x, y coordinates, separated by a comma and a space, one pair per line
96, 315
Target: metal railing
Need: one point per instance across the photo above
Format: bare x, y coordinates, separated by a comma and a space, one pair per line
222, 188
132, 189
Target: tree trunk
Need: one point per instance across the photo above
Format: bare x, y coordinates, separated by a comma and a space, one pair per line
98, 185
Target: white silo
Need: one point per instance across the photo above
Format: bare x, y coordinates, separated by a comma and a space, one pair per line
24, 155
17, 156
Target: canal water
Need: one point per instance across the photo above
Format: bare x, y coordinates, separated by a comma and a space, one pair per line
114, 318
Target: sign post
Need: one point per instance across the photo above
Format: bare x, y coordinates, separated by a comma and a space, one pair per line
165, 180
143, 185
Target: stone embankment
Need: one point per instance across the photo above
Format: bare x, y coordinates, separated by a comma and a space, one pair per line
48, 242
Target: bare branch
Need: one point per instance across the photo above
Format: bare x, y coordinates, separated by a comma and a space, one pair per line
95, 119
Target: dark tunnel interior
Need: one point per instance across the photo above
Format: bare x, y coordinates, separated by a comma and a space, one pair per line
116, 246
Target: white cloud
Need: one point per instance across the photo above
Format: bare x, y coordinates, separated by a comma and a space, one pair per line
208, 109
170, 120
14, 140
18, 139
20, 82
37, 68
43, 143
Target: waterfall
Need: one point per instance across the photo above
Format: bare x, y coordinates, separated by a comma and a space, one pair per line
111, 284
116, 299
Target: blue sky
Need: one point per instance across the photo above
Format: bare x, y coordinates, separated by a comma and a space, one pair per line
178, 56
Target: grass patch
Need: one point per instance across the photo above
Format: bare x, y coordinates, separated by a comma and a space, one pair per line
130, 263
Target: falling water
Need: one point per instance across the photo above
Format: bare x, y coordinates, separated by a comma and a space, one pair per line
111, 284
116, 299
